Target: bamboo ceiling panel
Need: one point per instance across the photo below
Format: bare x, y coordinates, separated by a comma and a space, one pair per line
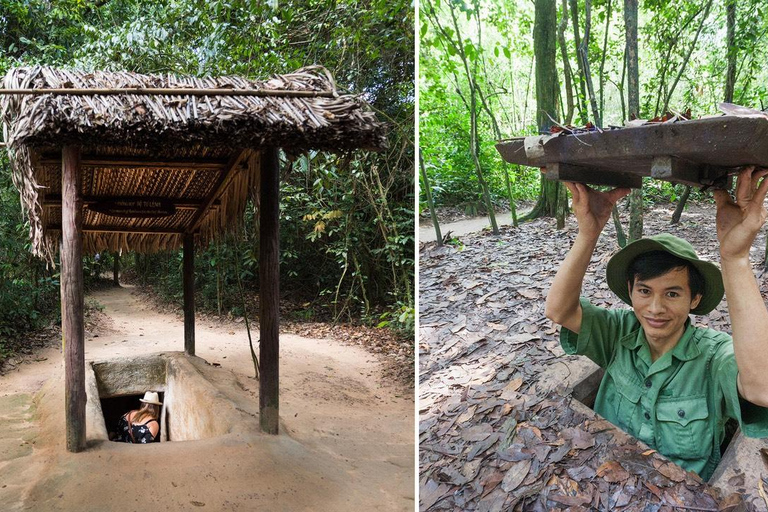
194, 156
699, 152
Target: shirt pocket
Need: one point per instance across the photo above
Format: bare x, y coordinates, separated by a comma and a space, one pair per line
626, 399
683, 425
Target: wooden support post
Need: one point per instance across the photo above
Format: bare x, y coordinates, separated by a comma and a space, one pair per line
72, 298
189, 294
269, 291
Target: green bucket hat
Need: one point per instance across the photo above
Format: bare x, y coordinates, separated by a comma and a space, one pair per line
616, 271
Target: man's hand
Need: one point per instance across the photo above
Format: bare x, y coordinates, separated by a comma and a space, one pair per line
739, 221
592, 208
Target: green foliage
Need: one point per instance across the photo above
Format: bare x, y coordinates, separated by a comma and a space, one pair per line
667, 32
346, 221
28, 291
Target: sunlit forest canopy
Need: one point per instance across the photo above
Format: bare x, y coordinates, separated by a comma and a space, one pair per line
346, 218
688, 59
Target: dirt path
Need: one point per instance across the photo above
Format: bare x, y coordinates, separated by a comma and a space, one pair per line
347, 441
463, 227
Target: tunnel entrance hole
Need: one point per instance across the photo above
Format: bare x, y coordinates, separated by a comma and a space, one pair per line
114, 407
585, 392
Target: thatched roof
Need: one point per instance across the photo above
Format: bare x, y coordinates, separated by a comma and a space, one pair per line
199, 152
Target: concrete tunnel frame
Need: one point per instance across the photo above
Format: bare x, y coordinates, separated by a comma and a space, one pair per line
193, 407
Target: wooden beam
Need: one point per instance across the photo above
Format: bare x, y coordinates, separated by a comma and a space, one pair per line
677, 170
188, 279
54, 200
568, 172
72, 299
726, 141
159, 91
221, 186
513, 152
269, 291
125, 229
141, 163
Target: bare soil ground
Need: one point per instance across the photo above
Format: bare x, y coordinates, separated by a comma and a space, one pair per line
346, 442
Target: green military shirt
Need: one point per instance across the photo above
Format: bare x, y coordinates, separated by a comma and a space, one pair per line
678, 404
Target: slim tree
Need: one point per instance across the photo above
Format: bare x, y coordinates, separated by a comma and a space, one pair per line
550, 201
633, 107
455, 44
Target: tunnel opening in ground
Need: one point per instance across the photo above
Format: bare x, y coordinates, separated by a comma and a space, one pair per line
113, 408
192, 407
585, 391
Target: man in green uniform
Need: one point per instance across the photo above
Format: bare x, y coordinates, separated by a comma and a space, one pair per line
672, 385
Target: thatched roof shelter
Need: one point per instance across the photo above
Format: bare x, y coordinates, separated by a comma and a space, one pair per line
190, 154
139, 162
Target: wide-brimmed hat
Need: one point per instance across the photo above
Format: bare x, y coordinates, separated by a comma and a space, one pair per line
616, 272
150, 397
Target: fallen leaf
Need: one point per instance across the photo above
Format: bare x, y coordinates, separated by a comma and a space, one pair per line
482, 446
730, 502
450, 476
509, 391
581, 473
490, 481
655, 490
466, 415
612, 471
580, 439
736, 480
515, 475
672, 471
521, 338
430, 493
764, 455
498, 327
477, 433
573, 501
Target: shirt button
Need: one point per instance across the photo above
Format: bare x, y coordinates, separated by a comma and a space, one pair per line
681, 413
647, 416
648, 383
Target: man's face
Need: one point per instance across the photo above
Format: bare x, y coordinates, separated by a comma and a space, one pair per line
662, 305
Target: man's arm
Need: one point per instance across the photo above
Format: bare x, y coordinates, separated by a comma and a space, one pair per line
737, 226
592, 210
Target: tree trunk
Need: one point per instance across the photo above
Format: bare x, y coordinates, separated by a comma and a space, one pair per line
582, 97
621, 238
687, 57
731, 50
567, 71
430, 203
474, 141
545, 52
633, 107
681, 205
601, 74
512, 206
116, 269
583, 54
